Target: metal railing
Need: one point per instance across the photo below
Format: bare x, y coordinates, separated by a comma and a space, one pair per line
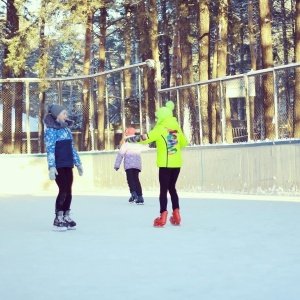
23, 102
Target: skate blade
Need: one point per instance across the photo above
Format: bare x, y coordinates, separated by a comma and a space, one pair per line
71, 228
59, 229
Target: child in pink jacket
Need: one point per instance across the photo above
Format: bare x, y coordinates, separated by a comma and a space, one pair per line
132, 165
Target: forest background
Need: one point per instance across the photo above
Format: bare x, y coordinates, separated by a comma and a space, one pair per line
188, 40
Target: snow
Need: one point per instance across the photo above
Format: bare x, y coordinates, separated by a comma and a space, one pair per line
229, 247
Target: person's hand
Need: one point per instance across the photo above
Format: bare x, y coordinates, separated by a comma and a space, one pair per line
52, 173
80, 170
116, 169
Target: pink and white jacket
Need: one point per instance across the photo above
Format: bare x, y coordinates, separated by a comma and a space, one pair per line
132, 156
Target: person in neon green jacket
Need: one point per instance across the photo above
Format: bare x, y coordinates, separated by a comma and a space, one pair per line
169, 140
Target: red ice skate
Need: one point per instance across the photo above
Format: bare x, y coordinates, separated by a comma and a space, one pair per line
175, 218
161, 221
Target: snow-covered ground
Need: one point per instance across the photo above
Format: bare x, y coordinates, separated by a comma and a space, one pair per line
227, 248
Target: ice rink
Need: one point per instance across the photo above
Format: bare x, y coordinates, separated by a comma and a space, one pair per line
229, 247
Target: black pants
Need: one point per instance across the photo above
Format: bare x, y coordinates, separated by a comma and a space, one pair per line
133, 181
167, 180
64, 181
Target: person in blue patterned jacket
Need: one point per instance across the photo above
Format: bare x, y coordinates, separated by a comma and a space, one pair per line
61, 158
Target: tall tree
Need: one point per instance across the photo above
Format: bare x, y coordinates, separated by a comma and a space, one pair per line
187, 96
267, 62
296, 127
12, 27
86, 137
101, 82
204, 56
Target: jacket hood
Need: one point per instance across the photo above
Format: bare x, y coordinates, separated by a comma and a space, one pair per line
170, 123
50, 122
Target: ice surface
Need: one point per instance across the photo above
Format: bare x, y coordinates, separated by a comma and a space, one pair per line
228, 248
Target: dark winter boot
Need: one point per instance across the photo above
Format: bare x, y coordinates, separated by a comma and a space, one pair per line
133, 197
161, 221
175, 218
59, 224
140, 200
70, 223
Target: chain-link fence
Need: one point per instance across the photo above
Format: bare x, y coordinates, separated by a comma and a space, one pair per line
259, 105
110, 100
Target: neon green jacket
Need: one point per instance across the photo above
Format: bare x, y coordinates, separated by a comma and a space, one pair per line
169, 140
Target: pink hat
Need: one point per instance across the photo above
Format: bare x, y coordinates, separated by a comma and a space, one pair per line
130, 131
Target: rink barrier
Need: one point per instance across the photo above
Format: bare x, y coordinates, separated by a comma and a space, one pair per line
258, 167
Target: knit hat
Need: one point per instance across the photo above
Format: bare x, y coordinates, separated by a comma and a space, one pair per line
130, 131
165, 111
55, 109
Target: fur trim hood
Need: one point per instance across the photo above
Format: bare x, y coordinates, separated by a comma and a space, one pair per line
50, 122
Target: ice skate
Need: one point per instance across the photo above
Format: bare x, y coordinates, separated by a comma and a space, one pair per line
70, 223
161, 221
140, 200
133, 197
175, 218
59, 224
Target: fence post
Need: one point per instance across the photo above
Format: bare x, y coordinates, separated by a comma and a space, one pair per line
140, 99
223, 113
107, 114
199, 112
248, 117
27, 107
275, 105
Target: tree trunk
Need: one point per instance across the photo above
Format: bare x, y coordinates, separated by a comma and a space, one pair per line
12, 26
267, 62
101, 83
296, 129
251, 130
86, 139
188, 111
204, 29
222, 67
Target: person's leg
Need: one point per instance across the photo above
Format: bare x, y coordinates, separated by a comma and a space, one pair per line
59, 224
68, 188
172, 187
62, 183
137, 183
164, 179
130, 180
175, 219
139, 191
131, 184
71, 224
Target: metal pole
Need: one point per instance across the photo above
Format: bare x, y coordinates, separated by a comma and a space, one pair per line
223, 113
27, 117
200, 117
275, 105
248, 116
107, 113
140, 99
92, 128
122, 102
178, 107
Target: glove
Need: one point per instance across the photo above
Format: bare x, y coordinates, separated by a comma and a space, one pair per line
80, 170
116, 169
52, 173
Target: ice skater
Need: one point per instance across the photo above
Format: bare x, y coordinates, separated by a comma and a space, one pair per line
132, 165
169, 140
61, 158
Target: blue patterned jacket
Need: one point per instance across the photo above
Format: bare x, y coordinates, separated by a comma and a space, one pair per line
59, 144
